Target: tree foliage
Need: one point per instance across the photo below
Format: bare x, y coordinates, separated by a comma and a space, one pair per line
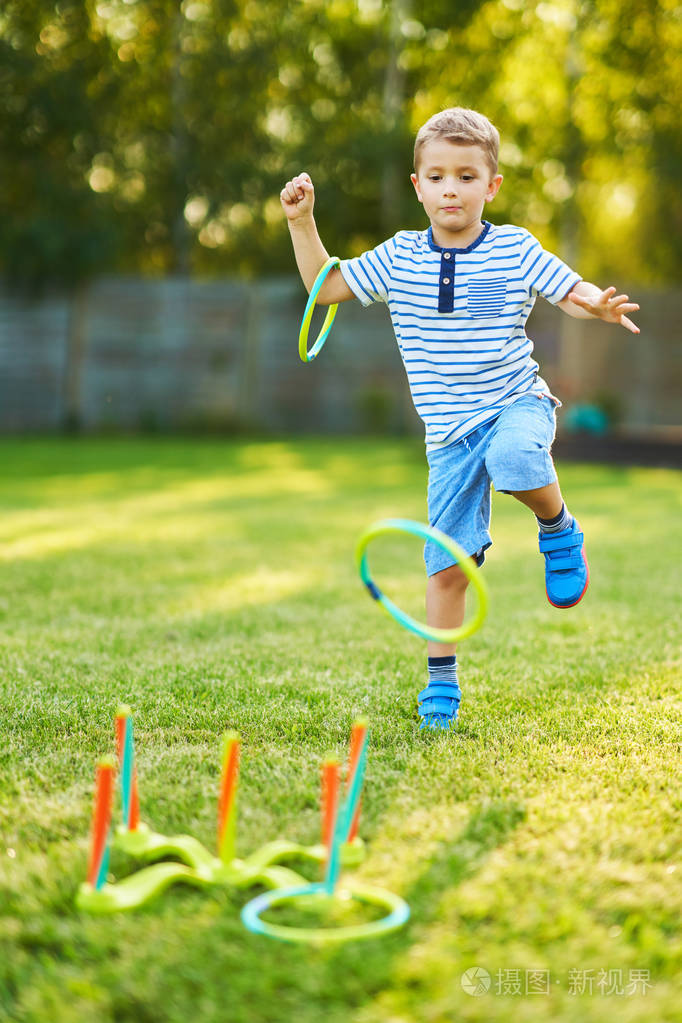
154, 136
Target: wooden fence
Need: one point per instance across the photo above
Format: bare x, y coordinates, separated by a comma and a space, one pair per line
179, 354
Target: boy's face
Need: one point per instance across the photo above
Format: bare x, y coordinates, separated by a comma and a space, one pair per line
454, 182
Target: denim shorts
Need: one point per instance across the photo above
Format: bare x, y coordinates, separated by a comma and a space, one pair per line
511, 452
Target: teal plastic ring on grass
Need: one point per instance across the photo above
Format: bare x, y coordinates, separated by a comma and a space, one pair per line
398, 915
385, 526
308, 356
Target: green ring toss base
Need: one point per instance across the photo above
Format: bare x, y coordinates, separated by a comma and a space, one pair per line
398, 914
308, 356
385, 526
266, 866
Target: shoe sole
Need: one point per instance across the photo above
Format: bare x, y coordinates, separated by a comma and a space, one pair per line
438, 728
587, 583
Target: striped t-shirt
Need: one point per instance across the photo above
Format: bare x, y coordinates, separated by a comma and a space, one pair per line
459, 317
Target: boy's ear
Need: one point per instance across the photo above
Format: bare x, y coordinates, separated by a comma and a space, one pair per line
493, 188
415, 181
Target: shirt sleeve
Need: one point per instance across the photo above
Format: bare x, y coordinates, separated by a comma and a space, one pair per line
545, 274
369, 276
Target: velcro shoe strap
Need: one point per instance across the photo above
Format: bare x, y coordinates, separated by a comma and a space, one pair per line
559, 541
565, 563
438, 705
450, 690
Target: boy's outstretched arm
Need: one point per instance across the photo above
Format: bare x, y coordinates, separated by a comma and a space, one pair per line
297, 199
587, 301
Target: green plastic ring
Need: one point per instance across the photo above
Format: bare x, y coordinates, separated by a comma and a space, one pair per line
398, 914
308, 356
385, 526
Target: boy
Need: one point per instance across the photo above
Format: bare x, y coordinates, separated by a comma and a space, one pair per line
459, 295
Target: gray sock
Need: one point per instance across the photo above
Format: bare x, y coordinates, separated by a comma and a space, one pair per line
443, 669
564, 520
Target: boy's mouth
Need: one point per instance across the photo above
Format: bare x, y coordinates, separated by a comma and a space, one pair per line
451, 209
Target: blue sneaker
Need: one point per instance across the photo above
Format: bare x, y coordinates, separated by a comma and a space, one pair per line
438, 705
566, 570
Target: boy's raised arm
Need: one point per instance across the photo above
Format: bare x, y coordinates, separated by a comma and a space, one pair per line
297, 199
586, 301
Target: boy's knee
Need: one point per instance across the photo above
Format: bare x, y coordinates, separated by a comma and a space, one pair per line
450, 579
515, 463
504, 454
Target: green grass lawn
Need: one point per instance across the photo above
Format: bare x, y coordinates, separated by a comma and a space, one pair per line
211, 585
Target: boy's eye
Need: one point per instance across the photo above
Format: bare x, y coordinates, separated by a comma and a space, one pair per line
434, 177
467, 177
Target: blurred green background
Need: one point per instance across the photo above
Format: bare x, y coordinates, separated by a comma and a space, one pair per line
154, 136
146, 273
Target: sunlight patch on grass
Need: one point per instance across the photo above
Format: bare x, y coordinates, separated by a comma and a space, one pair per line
417, 835
260, 586
184, 510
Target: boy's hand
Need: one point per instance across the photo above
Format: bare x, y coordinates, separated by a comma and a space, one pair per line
298, 197
608, 306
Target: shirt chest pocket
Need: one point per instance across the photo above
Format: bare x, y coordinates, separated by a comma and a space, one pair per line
486, 297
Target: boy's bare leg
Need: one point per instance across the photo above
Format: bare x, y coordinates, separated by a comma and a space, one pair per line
445, 605
445, 601
546, 502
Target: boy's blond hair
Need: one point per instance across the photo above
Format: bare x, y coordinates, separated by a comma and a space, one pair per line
467, 127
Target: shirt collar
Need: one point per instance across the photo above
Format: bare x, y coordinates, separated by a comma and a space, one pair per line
449, 248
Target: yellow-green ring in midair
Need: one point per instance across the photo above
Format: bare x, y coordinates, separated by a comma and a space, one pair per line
385, 526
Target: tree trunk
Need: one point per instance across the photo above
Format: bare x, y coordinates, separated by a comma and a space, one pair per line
393, 101
179, 155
